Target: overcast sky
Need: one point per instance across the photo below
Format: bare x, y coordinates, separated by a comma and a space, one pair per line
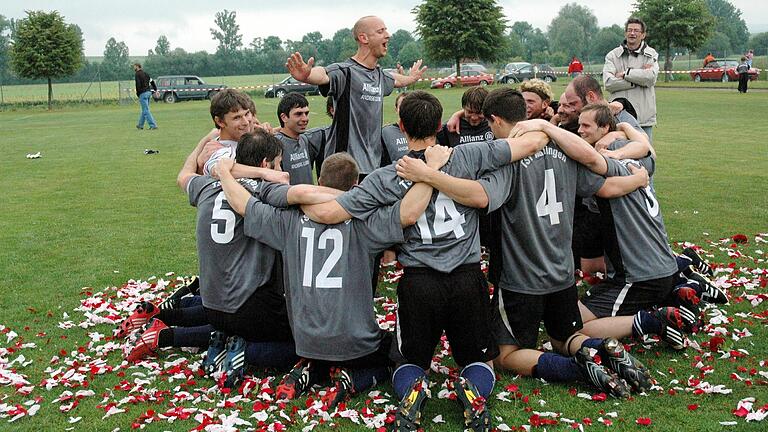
186, 23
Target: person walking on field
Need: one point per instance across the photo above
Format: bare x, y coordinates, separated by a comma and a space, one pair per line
575, 68
144, 88
743, 70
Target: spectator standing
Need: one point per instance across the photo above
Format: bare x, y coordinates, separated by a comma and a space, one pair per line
749, 55
631, 70
144, 88
575, 68
743, 70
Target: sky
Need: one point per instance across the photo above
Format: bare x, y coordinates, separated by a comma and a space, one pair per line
187, 23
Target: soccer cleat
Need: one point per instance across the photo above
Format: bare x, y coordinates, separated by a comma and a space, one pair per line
687, 300
234, 363
627, 367
147, 341
709, 292
174, 300
141, 315
599, 376
296, 382
217, 352
339, 391
408, 414
476, 415
671, 327
697, 262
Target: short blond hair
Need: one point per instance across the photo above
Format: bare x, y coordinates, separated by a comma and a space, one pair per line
539, 87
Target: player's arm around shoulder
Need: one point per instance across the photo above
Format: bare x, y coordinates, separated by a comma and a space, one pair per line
620, 185
237, 195
573, 145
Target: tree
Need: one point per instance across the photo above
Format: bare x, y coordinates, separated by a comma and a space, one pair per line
398, 40
679, 23
410, 52
606, 39
719, 44
273, 43
758, 40
116, 64
572, 29
229, 38
532, 40
729, 22
45, 46
163, 47
457, 30
5, 46
342, 45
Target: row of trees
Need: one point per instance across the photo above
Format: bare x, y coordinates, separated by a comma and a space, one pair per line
43, 46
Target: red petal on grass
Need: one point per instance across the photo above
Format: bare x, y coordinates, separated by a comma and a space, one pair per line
740, 238
693, 407
643, 421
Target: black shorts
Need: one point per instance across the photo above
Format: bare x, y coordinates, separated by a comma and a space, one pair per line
456, 302
517, 316
262, 318
587, 239
614, 298
376, 359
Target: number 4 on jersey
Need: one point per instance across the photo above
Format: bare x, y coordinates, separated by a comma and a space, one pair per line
548, 205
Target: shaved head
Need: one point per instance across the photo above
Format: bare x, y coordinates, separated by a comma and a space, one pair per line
363, 25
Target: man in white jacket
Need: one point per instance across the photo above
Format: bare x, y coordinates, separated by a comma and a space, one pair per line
631, 70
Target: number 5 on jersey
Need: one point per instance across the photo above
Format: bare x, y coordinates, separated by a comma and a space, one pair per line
548, 205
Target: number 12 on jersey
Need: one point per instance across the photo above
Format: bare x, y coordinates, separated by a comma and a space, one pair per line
548, 205
323, 280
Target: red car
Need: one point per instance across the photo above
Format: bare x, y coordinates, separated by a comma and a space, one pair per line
721, 70
467, 78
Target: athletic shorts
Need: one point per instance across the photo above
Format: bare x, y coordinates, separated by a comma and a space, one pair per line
614, 298
376, 359
262, 318
587, 239
517, 316
430, 302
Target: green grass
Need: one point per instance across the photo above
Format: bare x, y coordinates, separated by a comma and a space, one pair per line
95, 211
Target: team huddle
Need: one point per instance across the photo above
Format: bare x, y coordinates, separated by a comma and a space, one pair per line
288, 269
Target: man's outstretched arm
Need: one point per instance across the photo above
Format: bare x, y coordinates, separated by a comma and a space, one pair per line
304, 72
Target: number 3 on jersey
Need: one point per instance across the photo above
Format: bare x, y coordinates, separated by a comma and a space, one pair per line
447, 219
548, 205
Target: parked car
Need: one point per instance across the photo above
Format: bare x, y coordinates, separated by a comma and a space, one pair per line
171, 88
468, 78
290, 84
473, 67
542, 71
511, 67
721, 70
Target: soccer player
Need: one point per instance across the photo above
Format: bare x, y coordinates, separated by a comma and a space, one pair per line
358, 87
393, 139
536, 197
538, 97
330, 307
473, 126
293, 114
442, 288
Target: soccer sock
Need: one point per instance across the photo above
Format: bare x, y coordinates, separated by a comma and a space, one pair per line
186, 317
596, 343
557, 368
271, 354
365, 378
645, 323
482, 376
404, 377
197, 336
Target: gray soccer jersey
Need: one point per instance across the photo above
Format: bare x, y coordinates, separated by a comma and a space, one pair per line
328, 275
357, 94
446, 234
296, 159
537, 197
635, 238
228, 151
395, 143
624, 116
468, 133
232, 265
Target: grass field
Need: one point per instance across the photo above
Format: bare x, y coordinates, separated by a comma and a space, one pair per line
110, 90
95, 211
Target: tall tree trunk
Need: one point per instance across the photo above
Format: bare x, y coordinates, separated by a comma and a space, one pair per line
50, 93
458, 71
667, 63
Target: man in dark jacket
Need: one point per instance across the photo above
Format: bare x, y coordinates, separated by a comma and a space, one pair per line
144, 88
